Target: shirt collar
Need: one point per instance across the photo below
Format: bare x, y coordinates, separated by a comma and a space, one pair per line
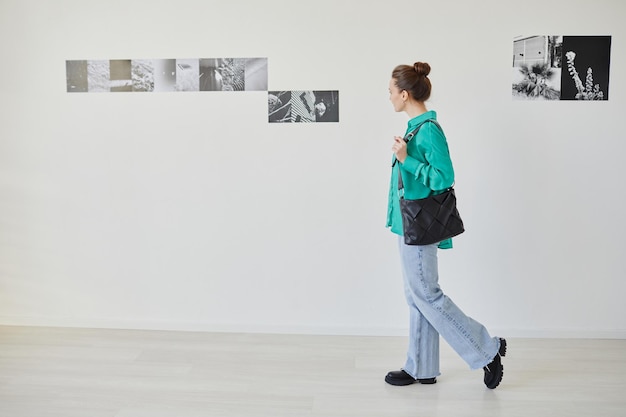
431, 114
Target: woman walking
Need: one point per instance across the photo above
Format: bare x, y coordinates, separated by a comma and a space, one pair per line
426, 169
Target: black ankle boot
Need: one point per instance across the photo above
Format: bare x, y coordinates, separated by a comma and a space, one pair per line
402, 378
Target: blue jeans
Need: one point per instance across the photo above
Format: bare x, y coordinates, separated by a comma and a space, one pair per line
432, 314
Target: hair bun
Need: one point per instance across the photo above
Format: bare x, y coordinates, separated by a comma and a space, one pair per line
422, 69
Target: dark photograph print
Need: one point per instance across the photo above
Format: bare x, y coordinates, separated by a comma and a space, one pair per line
561, 67
326, 106
309, 106
586, 62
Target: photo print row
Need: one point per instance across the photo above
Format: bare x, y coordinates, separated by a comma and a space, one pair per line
303, 106
561, 67
167, 75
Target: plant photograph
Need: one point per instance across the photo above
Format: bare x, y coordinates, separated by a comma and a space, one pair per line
561, 67
586, 68
537, 67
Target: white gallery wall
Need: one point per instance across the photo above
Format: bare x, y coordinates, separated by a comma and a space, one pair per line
189, 211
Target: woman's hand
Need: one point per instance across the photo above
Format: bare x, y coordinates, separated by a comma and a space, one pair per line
399, 148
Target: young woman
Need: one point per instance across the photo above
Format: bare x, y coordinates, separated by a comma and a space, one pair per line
425, 165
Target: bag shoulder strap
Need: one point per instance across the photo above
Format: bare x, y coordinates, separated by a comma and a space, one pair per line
409, 136
412, 133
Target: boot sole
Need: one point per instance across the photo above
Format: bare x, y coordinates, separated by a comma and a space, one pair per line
502, 350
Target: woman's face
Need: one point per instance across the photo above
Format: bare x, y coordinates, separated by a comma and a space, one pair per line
396, 96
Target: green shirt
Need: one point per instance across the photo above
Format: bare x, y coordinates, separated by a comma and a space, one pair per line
426, 170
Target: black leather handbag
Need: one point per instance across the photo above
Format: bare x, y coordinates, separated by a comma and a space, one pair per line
432, 219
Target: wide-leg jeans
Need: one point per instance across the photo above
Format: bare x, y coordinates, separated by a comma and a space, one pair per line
432, 313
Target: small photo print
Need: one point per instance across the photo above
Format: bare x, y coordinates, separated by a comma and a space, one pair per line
99, 76
255, 74
326, 106
303, 106
187, 75
561, 67
143, 75
222, 74
279, 106
120, 72
76, 76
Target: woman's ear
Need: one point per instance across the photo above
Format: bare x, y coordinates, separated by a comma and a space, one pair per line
405, 95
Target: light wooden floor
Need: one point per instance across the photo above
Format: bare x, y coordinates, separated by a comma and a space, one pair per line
123, 373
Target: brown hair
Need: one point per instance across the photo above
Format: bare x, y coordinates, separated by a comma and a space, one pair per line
413, 79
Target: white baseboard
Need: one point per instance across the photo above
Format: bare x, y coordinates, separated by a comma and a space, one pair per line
294, 329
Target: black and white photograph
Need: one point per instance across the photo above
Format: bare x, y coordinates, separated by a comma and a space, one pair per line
76, 76
279, 106
222, 74
326, 106
537, 67
99, 76
187, 75
121, 75
164, 75
143, 75
304, 106
255, 74
586, 62
561, 67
